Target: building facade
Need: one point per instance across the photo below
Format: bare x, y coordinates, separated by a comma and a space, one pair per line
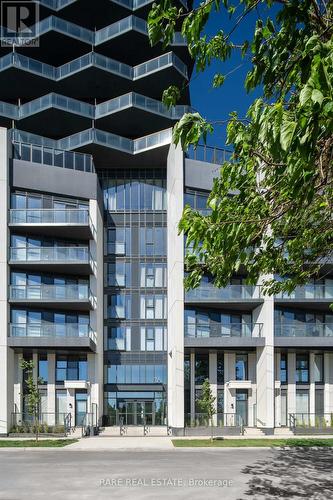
92, 265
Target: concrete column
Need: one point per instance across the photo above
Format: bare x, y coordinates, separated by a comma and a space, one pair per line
213, 379
291, 364
51, 391
328, 387
95, 360
192, 384
265, 363
6, 354
229, 374
71, 404
312, 391
277, 390
252, 394
18, 379
175, 196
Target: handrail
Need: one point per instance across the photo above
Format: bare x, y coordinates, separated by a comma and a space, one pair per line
93, 59
218, 330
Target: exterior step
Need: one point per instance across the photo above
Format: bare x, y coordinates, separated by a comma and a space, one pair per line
253, 432
283, 432
133, 430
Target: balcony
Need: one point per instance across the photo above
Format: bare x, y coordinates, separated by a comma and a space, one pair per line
52, 156
319, 296
228, 335
74, 223
304, 334
69, 297
69, 260
240, 297
70, 335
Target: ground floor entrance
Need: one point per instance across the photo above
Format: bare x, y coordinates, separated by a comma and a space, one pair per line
130, 409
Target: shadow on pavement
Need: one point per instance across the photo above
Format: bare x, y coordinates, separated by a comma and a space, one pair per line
292, 473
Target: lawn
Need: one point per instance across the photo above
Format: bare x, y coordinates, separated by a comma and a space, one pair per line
236, 443
31, 443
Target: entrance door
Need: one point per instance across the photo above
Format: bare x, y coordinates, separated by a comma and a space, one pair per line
80, 407
241, 405
136, 413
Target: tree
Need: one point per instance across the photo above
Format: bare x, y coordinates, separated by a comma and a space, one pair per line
279, 219
33, 396
206, 403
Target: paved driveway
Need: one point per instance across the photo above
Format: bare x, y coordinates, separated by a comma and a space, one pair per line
185, 474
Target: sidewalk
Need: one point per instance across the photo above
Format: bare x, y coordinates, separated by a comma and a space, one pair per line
122, 443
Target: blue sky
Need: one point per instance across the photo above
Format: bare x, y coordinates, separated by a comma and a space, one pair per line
216, 104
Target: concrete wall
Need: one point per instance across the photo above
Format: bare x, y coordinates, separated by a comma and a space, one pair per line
175, 190
6, 354
200, 174
46, 178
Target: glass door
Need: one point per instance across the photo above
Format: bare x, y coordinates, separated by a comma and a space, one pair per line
80, 407
241, 405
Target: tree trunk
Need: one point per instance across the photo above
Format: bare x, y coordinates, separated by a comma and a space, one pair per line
36, 426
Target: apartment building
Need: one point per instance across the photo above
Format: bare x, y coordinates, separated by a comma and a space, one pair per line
92, 265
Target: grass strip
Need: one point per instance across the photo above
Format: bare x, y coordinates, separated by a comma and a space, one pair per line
32, 443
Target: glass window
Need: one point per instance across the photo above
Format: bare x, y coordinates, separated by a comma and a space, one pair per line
153, 338
302, 368
319, 368
283, 369
220, 368
43, 368
201, 368
153, 306
241, 367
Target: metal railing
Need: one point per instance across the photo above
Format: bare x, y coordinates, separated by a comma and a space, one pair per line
52, 156
219, 420
41, 292
71, 105
67, 255
304, 330
209, 154
73, 216
96, 60
88, 424
220, 331
308, 292
100, 137
230, 292
128, 4
62, 330
318, 420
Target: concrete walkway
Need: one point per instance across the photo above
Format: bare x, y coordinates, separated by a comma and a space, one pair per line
122, 443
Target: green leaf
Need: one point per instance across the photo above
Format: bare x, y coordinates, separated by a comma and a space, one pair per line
305, 95
218, 80
287, 133
317, 96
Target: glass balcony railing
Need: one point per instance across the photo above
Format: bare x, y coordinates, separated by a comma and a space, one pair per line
217, 330
42, 292
50, 216
92, 59
304, 330
230, 292
50, 156
29, 152
209, 154
67, 255
309, 292
128, 4
52, 330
